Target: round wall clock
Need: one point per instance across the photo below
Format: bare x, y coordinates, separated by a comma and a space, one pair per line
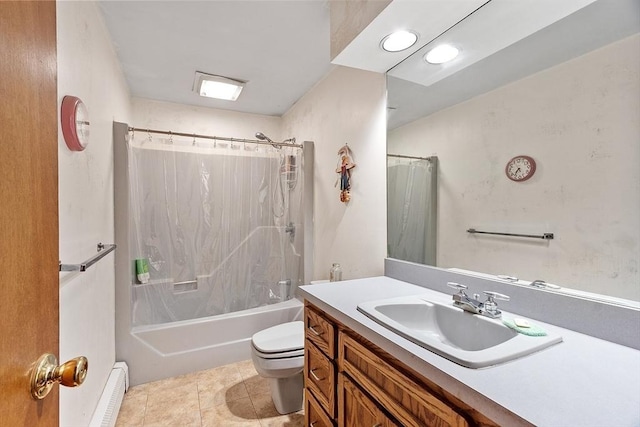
520, 168
75, 123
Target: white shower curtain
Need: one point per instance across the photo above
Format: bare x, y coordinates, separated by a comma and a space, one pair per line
215, 223
412, 209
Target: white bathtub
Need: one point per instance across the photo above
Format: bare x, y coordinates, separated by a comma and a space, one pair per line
161, 351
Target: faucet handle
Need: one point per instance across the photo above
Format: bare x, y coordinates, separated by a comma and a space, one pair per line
457, 286
495, 295
490, 305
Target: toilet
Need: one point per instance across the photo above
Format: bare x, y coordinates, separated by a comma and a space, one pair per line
278, 354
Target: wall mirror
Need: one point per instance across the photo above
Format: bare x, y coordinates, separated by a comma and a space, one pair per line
568, 97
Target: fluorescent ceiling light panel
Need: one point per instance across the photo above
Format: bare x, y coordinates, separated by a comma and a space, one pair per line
218, 87
399, 40
441, 54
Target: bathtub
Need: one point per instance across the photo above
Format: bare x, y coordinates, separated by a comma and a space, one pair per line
156, 352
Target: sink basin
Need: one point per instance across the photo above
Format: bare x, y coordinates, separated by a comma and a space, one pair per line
468, 339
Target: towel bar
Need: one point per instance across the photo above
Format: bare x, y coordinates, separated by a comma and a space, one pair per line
544, 236
103, 250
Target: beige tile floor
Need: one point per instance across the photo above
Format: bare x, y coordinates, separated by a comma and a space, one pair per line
231, 395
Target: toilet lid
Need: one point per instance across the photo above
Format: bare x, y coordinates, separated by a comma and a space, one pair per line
280, 338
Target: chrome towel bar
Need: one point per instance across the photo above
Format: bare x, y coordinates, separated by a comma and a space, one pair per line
544, 236
103, 250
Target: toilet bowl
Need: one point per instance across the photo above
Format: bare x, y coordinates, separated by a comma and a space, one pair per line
278, 354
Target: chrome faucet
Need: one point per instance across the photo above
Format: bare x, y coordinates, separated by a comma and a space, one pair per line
473, 305
538, 283
464, 301
541, 284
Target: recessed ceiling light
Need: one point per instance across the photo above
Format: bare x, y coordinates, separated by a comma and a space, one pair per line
399, 40
218, 87
440, 54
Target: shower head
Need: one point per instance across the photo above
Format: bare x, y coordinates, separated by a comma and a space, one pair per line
262, 137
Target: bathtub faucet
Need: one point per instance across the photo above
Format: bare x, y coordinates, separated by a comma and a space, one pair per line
285, 289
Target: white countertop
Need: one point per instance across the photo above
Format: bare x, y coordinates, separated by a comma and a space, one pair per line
583, 381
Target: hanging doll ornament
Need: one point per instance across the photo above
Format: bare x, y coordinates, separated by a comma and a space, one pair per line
345, 164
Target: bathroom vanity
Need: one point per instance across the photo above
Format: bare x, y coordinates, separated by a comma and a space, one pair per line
357, 383
359, 373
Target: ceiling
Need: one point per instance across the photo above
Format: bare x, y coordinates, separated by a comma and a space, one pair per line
281, 48
538, 41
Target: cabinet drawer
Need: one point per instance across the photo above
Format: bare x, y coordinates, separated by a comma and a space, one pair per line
357, 409
314, 414
320, 377
406, 399
320, 331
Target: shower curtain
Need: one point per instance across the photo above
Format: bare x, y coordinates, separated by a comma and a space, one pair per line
412, 209
216, 222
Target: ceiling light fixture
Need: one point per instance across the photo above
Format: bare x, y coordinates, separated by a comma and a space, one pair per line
218, 87
399, 40
441, 54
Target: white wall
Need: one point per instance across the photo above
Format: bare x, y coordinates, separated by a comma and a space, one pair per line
347, 106
88, 69
206, 121
580, 120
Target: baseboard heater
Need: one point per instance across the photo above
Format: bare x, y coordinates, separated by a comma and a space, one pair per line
106, 412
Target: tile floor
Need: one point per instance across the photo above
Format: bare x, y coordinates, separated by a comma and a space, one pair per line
227, 396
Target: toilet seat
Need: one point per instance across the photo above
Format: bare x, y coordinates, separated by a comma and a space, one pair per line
284, 340
282, 355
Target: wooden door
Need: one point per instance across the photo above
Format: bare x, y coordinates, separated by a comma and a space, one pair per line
28, 207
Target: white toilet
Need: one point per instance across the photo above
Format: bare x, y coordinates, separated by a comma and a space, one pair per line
278, 354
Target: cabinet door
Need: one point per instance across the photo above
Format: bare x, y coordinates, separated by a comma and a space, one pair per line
357, 409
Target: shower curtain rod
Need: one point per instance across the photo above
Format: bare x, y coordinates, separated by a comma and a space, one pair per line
409, 157
217, 138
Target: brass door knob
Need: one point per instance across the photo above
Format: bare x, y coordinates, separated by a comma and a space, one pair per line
46, 372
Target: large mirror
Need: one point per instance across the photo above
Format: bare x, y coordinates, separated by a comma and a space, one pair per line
567, 96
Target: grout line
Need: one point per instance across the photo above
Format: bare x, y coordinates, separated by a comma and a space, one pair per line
255, 410
198, 397
146, 404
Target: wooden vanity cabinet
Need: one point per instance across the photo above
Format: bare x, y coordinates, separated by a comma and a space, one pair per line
351, 383
319, 367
